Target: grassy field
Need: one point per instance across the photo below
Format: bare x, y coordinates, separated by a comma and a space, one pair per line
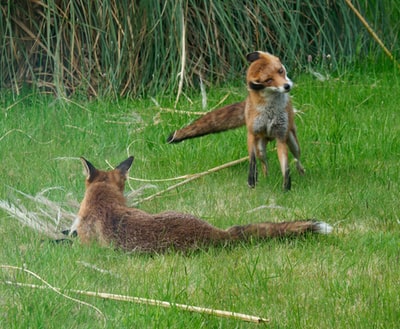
348, 129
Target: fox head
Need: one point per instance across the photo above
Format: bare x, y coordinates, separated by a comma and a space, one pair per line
115, 177
267, 73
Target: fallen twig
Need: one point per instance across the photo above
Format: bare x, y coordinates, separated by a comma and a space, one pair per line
138, 300
196, 176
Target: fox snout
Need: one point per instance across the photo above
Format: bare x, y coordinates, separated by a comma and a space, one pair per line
283, 88
287, 86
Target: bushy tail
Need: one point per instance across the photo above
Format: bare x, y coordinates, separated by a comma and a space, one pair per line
282, 229
224, 118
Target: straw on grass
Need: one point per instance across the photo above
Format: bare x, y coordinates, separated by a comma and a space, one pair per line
138, 300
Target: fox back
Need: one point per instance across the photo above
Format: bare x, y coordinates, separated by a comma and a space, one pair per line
104, 217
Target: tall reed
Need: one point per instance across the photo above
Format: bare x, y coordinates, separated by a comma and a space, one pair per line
117, 48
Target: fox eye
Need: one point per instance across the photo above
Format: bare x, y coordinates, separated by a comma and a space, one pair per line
280, 71
268, 81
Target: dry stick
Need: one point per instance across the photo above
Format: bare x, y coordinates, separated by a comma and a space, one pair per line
160, 180
195, 176
221, 101
371, 31
153, 302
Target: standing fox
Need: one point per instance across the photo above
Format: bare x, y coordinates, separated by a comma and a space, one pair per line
269, 115
104, 217
267, 112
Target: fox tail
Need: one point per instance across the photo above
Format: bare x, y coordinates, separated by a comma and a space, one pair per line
276, 230
224, 118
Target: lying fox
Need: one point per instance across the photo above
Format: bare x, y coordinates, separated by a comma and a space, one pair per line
104, 217
267, 113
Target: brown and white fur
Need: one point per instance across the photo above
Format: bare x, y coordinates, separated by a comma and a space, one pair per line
104, 217
269, 115
267, 112
225, 118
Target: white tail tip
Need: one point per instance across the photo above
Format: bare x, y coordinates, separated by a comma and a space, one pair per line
323, 228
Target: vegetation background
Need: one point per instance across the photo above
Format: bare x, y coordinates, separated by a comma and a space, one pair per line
118, 48
101, 79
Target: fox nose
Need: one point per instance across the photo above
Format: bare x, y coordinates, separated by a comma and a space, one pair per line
287, 86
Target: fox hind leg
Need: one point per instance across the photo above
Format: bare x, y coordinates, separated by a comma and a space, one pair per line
262, 154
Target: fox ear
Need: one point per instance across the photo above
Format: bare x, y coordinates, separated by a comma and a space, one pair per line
125, 166
89, 169
253, 56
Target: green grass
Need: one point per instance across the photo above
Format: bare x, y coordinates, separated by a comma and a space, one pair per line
348, 130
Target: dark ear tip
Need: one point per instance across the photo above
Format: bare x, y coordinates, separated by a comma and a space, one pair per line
89, 169
129, 161
125, 165
87, 163
253, 56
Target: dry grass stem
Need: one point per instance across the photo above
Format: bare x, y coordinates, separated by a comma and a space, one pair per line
372, 32
47, 217
220, 102
24, 133
138, 300
196, 176
180, 111
183, 57
97, 269
48, 286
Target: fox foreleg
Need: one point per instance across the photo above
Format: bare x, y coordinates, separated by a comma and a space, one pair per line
294, 148
252, 178
283, 160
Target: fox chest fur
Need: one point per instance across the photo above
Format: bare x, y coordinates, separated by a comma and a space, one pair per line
270, 118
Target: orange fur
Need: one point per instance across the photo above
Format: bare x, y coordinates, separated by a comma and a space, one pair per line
269, 115
224, 118
104, 217
267, 112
